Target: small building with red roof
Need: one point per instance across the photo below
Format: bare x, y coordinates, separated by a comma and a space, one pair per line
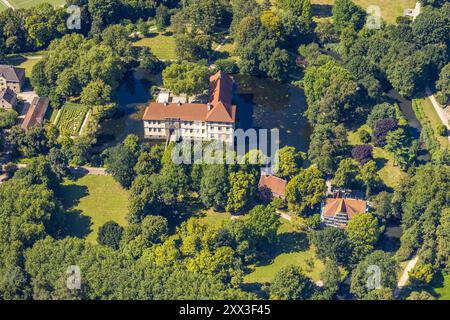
338, 211
270, 186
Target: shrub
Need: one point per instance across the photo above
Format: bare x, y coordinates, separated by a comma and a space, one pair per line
379, 112
362, 153
227, 65
381, 129
441, 98
441, 130
10, 169
110, 234
364, 136
421, 274
8, 118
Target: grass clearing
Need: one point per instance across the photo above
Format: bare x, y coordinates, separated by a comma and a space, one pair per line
293, 248
91, 201
390, 9
443, 290
161, 44
425, 112
213, 218
32, 3
389, 173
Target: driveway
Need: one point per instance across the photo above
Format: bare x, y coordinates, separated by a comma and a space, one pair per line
28, 96
405, 275
439, 110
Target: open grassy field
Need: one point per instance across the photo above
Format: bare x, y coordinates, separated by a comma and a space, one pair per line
213, 218
161, 44
293, 248
32, 3
389, 173
390, 9
93, 200
425, 112
2, 6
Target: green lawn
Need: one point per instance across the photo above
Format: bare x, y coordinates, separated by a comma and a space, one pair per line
213, 218
161, 44
293, 248
389, 173
425, 112
2, 6
443, 290
28, 64
33, 3
91, 201
390, 9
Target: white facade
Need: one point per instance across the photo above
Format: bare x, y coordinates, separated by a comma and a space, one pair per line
189, 130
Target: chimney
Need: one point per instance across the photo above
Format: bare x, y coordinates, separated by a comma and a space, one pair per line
209, 106
179, 103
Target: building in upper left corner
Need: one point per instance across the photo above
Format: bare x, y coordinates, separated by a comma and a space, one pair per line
12, 77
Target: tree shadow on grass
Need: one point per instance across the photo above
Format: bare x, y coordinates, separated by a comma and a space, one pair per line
217, 55
381, 162
181, 212
321, 10
14, 60
257, 288
152, 34
436, 283
287, 242
76, 224
70, 224
71, 194
77, 173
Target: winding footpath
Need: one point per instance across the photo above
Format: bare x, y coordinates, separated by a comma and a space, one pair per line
405, 275
441, 113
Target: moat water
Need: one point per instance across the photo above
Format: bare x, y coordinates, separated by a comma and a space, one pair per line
261, 104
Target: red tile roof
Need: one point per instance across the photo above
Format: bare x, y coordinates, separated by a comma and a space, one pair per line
36, 112
219, 110
220, 89
276, 186
351, 207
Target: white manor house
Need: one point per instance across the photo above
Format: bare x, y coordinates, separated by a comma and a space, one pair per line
177, 120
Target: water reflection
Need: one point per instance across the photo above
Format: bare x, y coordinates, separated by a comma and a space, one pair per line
267, 104
262, 103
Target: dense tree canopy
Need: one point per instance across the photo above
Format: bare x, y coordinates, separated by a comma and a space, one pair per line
185, 78
305, 190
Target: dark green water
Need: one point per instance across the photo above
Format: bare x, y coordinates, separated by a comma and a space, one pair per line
261, 104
